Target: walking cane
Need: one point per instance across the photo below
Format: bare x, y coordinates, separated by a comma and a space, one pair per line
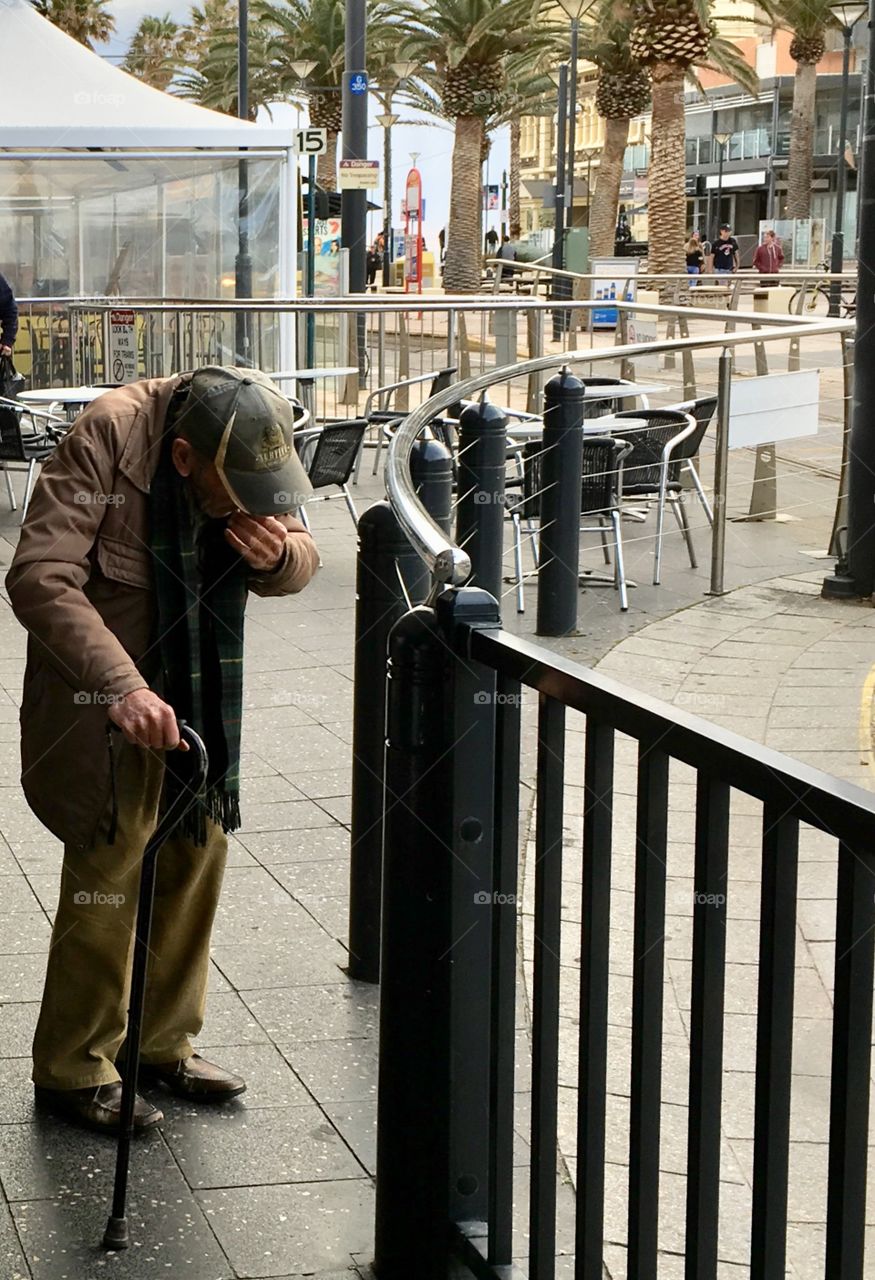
116, 1235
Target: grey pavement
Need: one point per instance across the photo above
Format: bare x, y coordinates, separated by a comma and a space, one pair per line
280, 1183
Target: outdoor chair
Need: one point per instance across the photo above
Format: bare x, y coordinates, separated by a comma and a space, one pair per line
329, 455
687, 452
601, 496
21, 449
379, 412
652, 470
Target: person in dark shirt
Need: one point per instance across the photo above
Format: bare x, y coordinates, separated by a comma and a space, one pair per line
8, 318
725, 250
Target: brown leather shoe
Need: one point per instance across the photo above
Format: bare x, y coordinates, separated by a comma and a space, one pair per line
97, 1108
195, 1079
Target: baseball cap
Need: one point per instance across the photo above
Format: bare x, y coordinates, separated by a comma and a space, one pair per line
244, 424
724, 226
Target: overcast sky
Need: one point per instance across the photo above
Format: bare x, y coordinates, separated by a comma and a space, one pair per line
433, 141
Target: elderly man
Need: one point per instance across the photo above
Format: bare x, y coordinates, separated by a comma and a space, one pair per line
160, 510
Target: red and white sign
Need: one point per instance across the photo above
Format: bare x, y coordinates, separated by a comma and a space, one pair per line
413, 232
122, 346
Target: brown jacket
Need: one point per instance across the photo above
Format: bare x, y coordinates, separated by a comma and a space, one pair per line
81, 583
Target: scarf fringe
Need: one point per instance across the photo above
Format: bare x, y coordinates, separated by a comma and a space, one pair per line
221, 807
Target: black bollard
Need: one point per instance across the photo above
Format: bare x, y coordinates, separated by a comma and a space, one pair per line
431, 470
560, 478
413, 1099
480, 512
384, 553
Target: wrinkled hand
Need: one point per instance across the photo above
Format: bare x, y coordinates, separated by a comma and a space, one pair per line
260, 540
147, 721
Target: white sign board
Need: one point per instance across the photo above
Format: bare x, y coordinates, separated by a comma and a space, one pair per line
358, 175
311, 142
616, 280
643, 326
122, 346
781, 406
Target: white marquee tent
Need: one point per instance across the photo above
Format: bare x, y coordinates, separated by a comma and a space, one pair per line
108, 186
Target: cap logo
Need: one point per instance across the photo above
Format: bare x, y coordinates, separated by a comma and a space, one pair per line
274, 447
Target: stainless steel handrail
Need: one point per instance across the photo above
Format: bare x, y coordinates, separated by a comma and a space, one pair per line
448, 563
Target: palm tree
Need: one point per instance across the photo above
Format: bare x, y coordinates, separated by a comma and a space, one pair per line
311, 31
88, 21
152, 53
622, 91
669, 38
808, 21
462, 47
208, 53
529, 93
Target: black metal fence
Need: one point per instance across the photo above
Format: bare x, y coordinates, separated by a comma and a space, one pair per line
457, 730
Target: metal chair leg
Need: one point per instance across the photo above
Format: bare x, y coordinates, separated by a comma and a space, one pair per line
13, 505
27, 487
350, 505
700, 491
660, 525
620, 566
304, 518
379, 449
680, 515
603, 534
518, 562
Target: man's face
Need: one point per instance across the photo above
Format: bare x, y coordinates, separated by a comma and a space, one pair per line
724, 234
209, 492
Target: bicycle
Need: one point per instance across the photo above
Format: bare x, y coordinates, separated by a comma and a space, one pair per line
817, 297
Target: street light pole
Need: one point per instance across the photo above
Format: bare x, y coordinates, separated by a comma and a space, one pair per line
721, 139
855, 571
847, 16
558, 258
354, 204
243, 260
572, 116
386, 120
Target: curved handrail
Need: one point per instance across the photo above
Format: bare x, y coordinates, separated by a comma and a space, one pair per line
448, 563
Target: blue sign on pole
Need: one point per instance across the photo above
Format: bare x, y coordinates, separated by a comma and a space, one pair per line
358, 82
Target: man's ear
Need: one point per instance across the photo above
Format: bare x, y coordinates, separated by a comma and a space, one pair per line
182, 454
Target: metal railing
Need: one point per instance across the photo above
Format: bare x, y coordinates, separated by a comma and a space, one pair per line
458, 726
449, 1055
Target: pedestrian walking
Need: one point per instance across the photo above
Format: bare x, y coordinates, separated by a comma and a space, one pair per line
8, 317
163, 507
373, 263
695, 258
506, 251
769, 257
725, 251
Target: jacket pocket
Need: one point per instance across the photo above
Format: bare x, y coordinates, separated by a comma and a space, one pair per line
124, 562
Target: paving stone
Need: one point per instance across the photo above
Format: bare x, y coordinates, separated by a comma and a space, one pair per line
17, 1025
12, 1261
308, 958
24, 931
315, 879
268, 789
325, 784
229, 1022
313, 844
242, 1148
17, 895
304, 1014
22, 977
61, 1237
283, 817
341, 1071
292, 1229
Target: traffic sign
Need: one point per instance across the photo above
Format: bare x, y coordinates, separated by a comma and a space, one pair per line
358, 82
358, 175
311, 142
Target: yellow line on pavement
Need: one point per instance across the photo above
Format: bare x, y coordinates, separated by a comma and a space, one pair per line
866, 699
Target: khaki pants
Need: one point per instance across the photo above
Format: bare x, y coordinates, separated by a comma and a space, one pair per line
84, 1009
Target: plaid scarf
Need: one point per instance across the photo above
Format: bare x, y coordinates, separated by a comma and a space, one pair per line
201, 586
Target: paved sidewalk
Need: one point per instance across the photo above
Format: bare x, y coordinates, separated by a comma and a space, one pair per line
280, 1182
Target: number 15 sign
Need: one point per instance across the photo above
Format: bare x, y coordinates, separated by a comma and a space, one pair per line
311, 142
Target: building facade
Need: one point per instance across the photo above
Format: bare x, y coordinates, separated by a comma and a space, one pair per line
753, 186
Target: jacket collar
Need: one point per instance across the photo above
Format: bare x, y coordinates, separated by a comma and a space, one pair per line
139, 458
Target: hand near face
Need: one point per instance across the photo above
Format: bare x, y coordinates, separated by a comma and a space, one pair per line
260, 540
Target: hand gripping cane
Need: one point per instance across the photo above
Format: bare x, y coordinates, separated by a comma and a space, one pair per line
116, 1235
